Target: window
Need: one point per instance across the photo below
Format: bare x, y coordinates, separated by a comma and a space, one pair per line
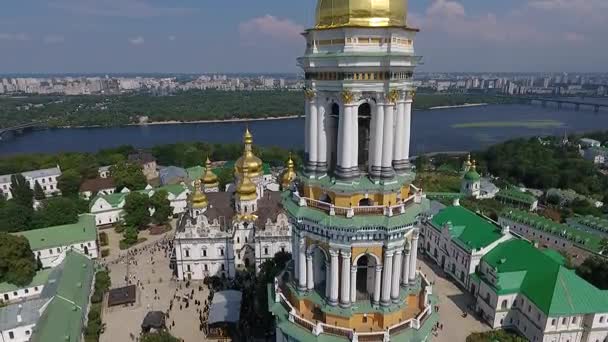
245, 239
223, 267
187, 253
59, 250
529, 308
573, 320
11, 335
238, 239
503, 305
35, 288
205, 254
26, 291
553, 322
221, 252
27, 332
265, 250
50, 251
188, 268
564, 320
15, 294
6, 296
602, 319
205, 267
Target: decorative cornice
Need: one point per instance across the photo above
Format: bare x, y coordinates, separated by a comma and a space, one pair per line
410, 94
392, 96
309, 94
347, 97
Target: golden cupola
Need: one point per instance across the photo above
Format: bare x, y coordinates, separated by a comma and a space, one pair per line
360, 13
248, 159
199, 199
210, 179
246, 190
289, 174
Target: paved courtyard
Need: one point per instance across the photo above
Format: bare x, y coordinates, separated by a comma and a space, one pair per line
452, 303
147, 266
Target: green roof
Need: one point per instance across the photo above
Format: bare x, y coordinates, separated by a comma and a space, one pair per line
82, 231
39, 279
592, 222
580, 237
64, 318
358, 221
472, 175
554, 289
195, 172
470, 230
116, 199
514, 195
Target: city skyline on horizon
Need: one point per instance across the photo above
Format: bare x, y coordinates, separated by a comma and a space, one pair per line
147, 36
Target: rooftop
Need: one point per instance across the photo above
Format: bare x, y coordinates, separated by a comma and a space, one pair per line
515, 195
582, 238
554, 289
40, 278
53, 171
97, 184
468, 229
82, 231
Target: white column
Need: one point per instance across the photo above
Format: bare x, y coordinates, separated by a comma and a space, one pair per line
296, 254
354, 160
396, 276
405, 274
408, 128
302, 265
310, 280
353, 284
307, 127
413, 256
321, 135
399, 131
378, 139
388, 140
345, 280
347, 137
327, 278
387, 278
377, 284
314, 126
342, 128
333, 296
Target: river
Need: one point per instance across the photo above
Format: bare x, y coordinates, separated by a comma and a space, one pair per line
453, 129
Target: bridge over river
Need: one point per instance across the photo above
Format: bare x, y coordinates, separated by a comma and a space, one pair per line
577, 104
8, 132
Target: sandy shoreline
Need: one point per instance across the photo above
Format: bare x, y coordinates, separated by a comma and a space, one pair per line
460, 106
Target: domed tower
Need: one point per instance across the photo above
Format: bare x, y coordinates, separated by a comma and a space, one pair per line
252, 163
198, 201
289, 175
354, 212
471, 181
246, 194
211, 182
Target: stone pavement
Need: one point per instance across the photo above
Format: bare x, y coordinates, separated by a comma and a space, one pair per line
452, 302
148, 268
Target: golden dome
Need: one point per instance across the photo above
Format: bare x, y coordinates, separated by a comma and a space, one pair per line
366, 13
210, 179
253, 163
199, 199
246, 190
289, 174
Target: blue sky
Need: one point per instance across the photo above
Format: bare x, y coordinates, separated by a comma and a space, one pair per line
263, 35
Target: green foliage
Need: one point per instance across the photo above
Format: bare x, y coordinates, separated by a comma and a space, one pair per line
95, 327
127, 175
15, 217
17, 262
595, 270
69, 182
137, 213
161, 336
495, 336
438, 181
102, 285
489, 207
162, 207
38, 192
103, 239
225, 176
105, 253
21, 191
130, 237
57, 211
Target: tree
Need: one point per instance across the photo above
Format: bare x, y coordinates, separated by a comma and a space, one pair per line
162, 207
130, 236
595, 270
160, 336
15, 217
69, 183
604, 246
137, 212
497, 335
225, 176
38, 192
127, 175
21, 191
17, 262
57, 211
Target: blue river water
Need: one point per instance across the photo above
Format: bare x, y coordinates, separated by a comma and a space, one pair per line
453, 129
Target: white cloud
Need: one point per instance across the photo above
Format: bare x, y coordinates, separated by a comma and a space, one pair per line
172, 38
574, 37
139, 40
53, 39
20, 36
270, 27
118, 8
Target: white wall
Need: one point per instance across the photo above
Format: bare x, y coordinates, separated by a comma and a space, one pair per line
21, 293
190, 253
19, 334
51, 257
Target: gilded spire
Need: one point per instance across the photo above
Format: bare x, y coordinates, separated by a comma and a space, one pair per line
246, 190
199, 199
210, 179
254, 164
289, 174
361, 13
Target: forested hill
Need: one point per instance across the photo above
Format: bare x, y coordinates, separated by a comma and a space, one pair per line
92, 110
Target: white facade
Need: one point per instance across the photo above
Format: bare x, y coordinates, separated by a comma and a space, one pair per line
47, 178
104, 171
21, 293
53, 256
87, 194
18, 334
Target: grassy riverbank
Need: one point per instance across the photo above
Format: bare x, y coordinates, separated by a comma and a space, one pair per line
184, 107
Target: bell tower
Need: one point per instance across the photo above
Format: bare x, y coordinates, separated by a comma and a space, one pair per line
353, 210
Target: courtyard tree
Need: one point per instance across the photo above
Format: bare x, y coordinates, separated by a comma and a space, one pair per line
130, 236
137, 210
69, 183
128, 175
38, 192
14, 217
57, 211
21, 191
17, 262
595, 270
162, 207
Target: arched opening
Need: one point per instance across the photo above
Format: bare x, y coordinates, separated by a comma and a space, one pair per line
326, 199
86, 250
247, 262
366, 202
332, 136
319, 261
366, 273
365, 119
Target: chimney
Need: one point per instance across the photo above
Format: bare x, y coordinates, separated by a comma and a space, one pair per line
456, 202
